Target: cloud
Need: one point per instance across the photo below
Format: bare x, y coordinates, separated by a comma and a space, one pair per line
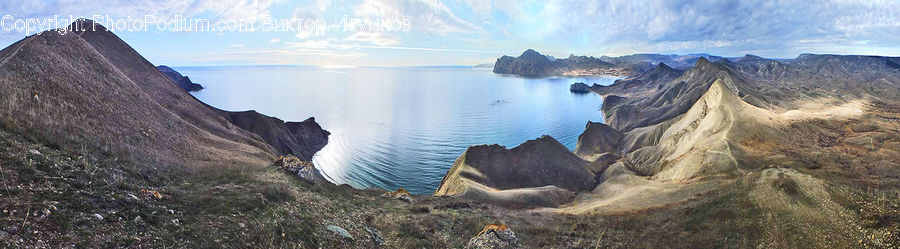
232, 9
238, 9
691, 24
377, 38
481, 8
780, 28
429, 16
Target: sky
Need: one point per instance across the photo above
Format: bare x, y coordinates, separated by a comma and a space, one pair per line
465, 32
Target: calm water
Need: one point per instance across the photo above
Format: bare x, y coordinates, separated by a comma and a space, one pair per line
404, 127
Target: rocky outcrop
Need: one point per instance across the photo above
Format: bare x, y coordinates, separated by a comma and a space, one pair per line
305, 170
530, 63
540, 172
533, 64
91, 89
579, 87
670, 100
494, 237
399, 194
674, 60
597, 139
182, 81
644, 83
706, 139
301, 139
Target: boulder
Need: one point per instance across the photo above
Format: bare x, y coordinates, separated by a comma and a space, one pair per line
399, 194
340, 231
304, 169
494, 237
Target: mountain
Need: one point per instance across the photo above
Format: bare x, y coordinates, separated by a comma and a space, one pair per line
530, 63
100, 150
649, 81
537, 173
681, 62
664, 102
301, 139
94, 90
771, 144
597, 139
533, 64
183, 81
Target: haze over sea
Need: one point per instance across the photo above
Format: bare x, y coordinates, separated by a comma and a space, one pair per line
404, 127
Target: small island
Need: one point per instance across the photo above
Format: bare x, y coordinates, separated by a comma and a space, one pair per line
580, 87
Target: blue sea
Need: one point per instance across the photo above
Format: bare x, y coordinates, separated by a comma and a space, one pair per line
404, 127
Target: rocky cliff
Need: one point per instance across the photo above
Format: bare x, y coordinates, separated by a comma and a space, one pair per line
182, 81
643, 83
92, 89
530, 63
533, 64
784, 138
301, 139
540, 172
597, 139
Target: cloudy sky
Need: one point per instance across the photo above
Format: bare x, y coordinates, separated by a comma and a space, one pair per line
468, 32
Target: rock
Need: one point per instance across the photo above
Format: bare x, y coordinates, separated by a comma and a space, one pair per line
98, 216
34, 152
304, 169
610, 102
152, 193
601, 163
340, 231
400, 194
540, 172
579, 87
534, 64
44, 213
494, 237
105, 81
597, 138
139, 221
182, 81
643, 82
375, 237
530, 63
301, 139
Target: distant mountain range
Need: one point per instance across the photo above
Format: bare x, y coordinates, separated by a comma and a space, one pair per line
792, 140
534, 64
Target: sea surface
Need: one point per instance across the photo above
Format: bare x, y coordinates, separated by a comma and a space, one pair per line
404, 127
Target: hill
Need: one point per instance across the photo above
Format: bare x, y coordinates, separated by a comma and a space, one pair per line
773, 145
183, 81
